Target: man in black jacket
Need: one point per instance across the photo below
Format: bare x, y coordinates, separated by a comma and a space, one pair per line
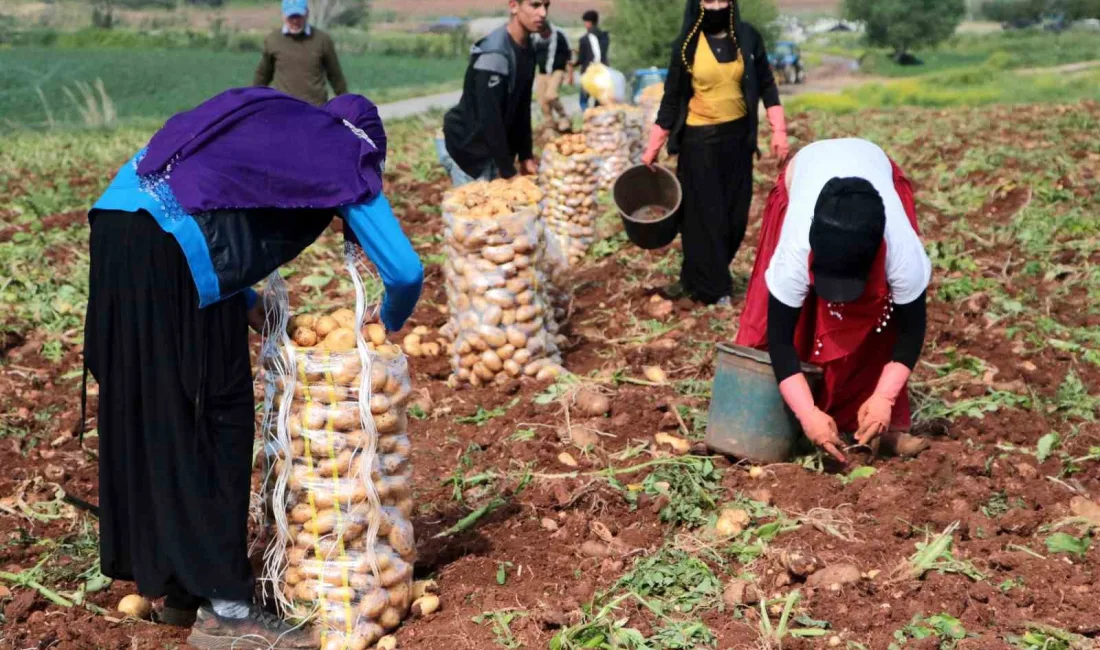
491, 125
593, 48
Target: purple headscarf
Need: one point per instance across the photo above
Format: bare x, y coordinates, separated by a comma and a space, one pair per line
259, 148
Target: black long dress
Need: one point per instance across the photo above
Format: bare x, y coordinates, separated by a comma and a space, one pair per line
176, 417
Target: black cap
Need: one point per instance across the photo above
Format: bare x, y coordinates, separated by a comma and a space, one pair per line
591, 16
845, 237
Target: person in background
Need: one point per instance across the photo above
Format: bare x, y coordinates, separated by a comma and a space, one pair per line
594, 47
718, 75
491, 125
841, 281
256, 176
298, 58
553, 62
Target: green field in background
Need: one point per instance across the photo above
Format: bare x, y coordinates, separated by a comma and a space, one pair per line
159, 83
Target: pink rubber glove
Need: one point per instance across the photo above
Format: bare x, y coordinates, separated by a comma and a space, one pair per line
657, 139
778, 120
877, 412
819, 427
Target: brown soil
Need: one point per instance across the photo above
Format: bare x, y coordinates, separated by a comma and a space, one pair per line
549, 576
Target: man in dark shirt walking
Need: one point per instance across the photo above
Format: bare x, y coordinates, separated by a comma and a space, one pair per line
553, 63
491, 126
298, 58
593, 48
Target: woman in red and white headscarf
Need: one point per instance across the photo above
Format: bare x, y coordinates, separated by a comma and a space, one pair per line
840, 281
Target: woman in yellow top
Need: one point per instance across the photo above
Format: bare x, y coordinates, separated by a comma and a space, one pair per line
709, 115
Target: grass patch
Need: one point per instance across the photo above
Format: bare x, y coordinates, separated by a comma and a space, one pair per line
156, 83
976, 86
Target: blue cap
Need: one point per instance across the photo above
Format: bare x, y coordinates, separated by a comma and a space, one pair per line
295, 7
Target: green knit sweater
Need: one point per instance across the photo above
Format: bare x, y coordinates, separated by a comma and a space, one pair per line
299, 64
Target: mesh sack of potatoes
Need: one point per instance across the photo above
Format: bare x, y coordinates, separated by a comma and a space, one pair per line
338, 492
501, 321
615, 133
569, 178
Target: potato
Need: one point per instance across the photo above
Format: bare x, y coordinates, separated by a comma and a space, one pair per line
411, 343
430, 349
376, 333
136, 606
493, 336
373, 603
492, 361
592, 404
340, 339
515, 337
400, 590
313, 417
379, 404
345, 417
293, 576
325, 325
548, 372
387, 643
390, 618
527, 313
304, 337
512, 368
344, 318
302, 320
390, 422
522, 356
426, 605
401, 539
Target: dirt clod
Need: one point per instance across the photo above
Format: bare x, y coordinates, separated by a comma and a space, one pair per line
740, 592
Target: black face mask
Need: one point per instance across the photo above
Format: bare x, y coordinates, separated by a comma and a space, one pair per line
716, 21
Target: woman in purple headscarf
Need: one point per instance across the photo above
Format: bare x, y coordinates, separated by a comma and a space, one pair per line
222, 196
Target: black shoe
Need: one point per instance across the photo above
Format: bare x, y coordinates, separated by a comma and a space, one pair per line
175, 616
673, 291
259, 629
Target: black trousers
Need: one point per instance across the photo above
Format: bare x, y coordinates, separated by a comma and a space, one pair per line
176, 418
715, 169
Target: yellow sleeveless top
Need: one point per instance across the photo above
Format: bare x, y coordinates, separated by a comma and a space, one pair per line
718, 97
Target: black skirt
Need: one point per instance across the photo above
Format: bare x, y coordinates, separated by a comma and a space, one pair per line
176, 417
715, 169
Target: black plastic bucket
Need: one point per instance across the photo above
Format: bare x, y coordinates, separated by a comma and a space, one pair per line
641, 187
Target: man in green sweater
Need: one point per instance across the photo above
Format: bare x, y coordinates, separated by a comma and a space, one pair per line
298, 58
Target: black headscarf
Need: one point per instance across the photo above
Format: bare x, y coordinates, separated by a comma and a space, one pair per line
692, 27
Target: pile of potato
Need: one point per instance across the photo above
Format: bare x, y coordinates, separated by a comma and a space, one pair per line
616, 133
496, 288
569, 177
341, 481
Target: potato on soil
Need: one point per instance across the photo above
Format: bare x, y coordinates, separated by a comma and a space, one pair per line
426, 605
655, 374
592, 404
135, 605
679, 445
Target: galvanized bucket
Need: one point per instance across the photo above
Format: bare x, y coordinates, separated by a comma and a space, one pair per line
748, 417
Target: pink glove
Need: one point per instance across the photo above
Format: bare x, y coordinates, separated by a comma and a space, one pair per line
657, 139
819, 427
778, 120
877, 412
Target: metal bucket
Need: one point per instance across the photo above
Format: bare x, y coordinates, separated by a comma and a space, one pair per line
748, 417
640, 187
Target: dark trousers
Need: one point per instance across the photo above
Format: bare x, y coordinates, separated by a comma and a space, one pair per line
715, 168
176, 418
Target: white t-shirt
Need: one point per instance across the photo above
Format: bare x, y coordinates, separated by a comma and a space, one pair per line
908, 268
